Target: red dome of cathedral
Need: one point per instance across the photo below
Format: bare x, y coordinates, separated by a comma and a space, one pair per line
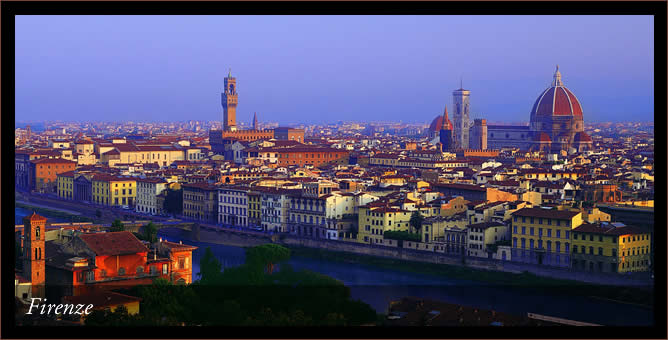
557, 100
436, 124
441, 122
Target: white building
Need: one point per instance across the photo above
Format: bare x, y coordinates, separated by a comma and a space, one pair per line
274, 206
147, 191
233, 206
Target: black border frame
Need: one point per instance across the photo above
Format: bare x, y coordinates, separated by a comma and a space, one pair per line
656, 8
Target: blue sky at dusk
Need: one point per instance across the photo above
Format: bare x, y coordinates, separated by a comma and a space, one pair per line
317, 69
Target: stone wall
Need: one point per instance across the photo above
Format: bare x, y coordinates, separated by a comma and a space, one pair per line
394, 252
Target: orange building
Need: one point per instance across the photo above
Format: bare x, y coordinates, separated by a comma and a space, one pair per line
94, 262
316, 156
44, 172
180, 257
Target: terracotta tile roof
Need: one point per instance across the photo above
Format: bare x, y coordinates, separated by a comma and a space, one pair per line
113, 243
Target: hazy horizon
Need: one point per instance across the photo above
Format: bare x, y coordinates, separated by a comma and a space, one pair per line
325, 69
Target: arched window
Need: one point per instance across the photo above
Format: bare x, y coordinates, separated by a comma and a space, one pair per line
140, 270
37, 233
121, 271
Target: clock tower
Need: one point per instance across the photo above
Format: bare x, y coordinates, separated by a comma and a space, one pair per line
229, 101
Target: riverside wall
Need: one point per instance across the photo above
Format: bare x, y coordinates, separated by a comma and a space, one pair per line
395, 253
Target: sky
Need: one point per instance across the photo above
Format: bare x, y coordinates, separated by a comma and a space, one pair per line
324, 69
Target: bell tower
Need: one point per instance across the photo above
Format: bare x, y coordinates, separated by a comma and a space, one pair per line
229, 100
33, 252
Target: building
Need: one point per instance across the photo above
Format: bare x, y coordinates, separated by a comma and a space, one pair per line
101, 301
445, 134
200, 202
307, 216
543, 236
478, 135
89, 263
148, 190
482, 235
274, 208
300, 155
611, 247
180, 260
65, 182
556, 122
508, 136
375, 219
287, 133
113, 190
254, 211
34, 253
233, 205
461, 104
131, 153
44, 173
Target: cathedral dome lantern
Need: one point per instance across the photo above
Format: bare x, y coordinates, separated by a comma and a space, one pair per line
557, 100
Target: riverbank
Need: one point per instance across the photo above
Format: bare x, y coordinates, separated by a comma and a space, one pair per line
632, 295
69, 216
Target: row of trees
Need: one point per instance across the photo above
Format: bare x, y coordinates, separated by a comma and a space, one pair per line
264, 291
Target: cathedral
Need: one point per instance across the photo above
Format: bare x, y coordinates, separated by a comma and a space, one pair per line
556, 124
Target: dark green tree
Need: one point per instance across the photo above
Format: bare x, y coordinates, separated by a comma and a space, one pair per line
150, 232
416, 220
209, 267
174, 201
267, 255
117, 226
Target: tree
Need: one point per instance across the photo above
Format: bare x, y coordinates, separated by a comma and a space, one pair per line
174, 202
209, 266
416, 220
150, 232
267, 255
117, 226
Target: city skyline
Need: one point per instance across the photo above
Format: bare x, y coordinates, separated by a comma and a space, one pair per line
168, 78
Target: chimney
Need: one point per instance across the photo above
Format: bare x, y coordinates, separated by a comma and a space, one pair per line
180, 242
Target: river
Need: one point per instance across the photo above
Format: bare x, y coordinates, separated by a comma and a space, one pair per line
378, 286
20, 213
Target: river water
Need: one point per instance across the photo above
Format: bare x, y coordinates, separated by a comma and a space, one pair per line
20, 213
378, 286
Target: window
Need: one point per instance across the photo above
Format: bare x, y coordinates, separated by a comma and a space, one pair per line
549, 232
515, 229
524, 229
140, 270
549, 245
531, 231
531, 243
558, 233
549, 221
567, 234
523, 243
540, 231
37, 233
121, 271
575, 249
164, 268
600, 238
591, 250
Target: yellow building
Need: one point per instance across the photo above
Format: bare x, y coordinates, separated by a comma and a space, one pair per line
374, 221
254, 202
114, 190
543, 236
606, 248
65, 181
